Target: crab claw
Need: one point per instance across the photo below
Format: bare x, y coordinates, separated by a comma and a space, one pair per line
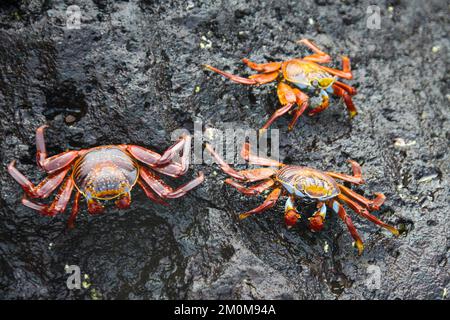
123, 202
316, 223
290, 218
95, 207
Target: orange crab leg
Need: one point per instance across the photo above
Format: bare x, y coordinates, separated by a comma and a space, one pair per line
184, 143
340, 92
251, 158
339, 209
163, 163
250, 175
74, 212
319, 56
369, 204
59, 203
288, 97
255, 79
355, 179
350, 90
270, 201
263, 67
150, 194
43, 189
223, 165
364, 213
278, 113
53, 163
345, 73
302, 103
253, 175
163, 190
253, 190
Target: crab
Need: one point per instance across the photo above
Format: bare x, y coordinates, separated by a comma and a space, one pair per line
104, 173
306, 184
298, 74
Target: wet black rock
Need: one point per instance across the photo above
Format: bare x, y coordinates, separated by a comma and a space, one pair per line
132, 74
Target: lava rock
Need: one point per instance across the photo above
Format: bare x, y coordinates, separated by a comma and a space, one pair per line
131, 73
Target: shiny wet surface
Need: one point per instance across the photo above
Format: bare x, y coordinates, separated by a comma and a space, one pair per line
132, 74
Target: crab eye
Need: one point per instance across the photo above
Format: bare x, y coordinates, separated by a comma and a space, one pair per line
315, 83
326, 82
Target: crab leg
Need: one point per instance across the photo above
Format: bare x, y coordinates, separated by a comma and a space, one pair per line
150, 194
43, 189
223, 165
164, 166
288, 97
302, 102
59, 203
355, 179
319, 56
340, 92
53, 163
270, 201
250, 175
185, 144
350, 90
369, 204
345, 73
278, 113
339, 209
263, 67
247, 155
253, 190
166, 192
75, 210
255, 79
364, 213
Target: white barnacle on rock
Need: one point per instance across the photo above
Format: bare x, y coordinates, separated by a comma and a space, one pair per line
435, 49
401, 143
205, 43
326, 247
428, 178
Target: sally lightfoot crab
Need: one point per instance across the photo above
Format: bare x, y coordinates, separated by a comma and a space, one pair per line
104, 173
305, 184
305, 73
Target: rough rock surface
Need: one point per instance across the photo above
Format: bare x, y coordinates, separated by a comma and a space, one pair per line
132, 74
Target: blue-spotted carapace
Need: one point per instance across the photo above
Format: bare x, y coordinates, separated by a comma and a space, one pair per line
104, 173
305, 73
306, 185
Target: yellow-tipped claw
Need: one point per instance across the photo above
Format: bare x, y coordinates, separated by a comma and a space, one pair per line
262, 131
360, 247
353, 114
242, 216
394, 231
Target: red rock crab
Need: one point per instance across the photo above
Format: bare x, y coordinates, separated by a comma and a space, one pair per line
104, 173
305, 73
305, 184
